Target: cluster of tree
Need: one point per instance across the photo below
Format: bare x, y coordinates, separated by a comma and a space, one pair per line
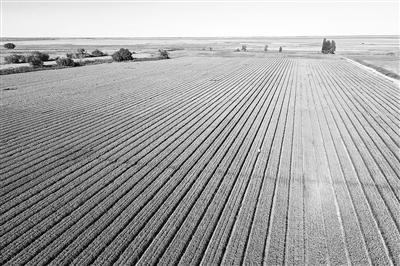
244, 48
82, 53
35, 58
124, 54
328, 47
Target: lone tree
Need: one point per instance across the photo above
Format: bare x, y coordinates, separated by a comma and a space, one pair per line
280, 49
266, 48
244, 47
333, 47
122, 55
328, 47
9, 45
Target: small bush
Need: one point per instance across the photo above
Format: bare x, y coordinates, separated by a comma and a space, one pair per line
9, 45
266, 48
35, 61
97, 53
237, 50
65, 62
280, 49
24, 59
14, 59
122, 55
244, 47
81, 53
163, 54
42, 56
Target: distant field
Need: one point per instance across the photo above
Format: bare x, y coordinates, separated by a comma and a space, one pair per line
275, 159
389, 63
382, 51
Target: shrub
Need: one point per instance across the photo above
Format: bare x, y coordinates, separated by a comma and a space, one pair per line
122, 55
42, 56
70, 55
9, 45
237, 50
244, 47
35, 61
81, 53
265, 48
97, 53
14, 59
280, 49
23, 59
65, 62
163, 54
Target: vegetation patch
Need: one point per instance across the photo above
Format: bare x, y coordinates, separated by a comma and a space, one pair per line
9, 45
382, 70
65, 62
122, 55
328, 47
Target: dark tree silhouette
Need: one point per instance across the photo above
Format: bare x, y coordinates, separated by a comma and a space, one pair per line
9, 45
97, 53
122, 55
333, 47
328, 47
323, 45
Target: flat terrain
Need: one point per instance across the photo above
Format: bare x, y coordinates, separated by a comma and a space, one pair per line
379, 51
201, 160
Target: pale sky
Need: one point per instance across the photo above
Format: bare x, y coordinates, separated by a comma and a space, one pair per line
162, 18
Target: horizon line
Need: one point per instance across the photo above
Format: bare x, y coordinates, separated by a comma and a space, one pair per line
232, 36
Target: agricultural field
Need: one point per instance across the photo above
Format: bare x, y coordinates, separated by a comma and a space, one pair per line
379, 51
274, 159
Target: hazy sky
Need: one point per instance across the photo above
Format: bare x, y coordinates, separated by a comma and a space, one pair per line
71, 18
